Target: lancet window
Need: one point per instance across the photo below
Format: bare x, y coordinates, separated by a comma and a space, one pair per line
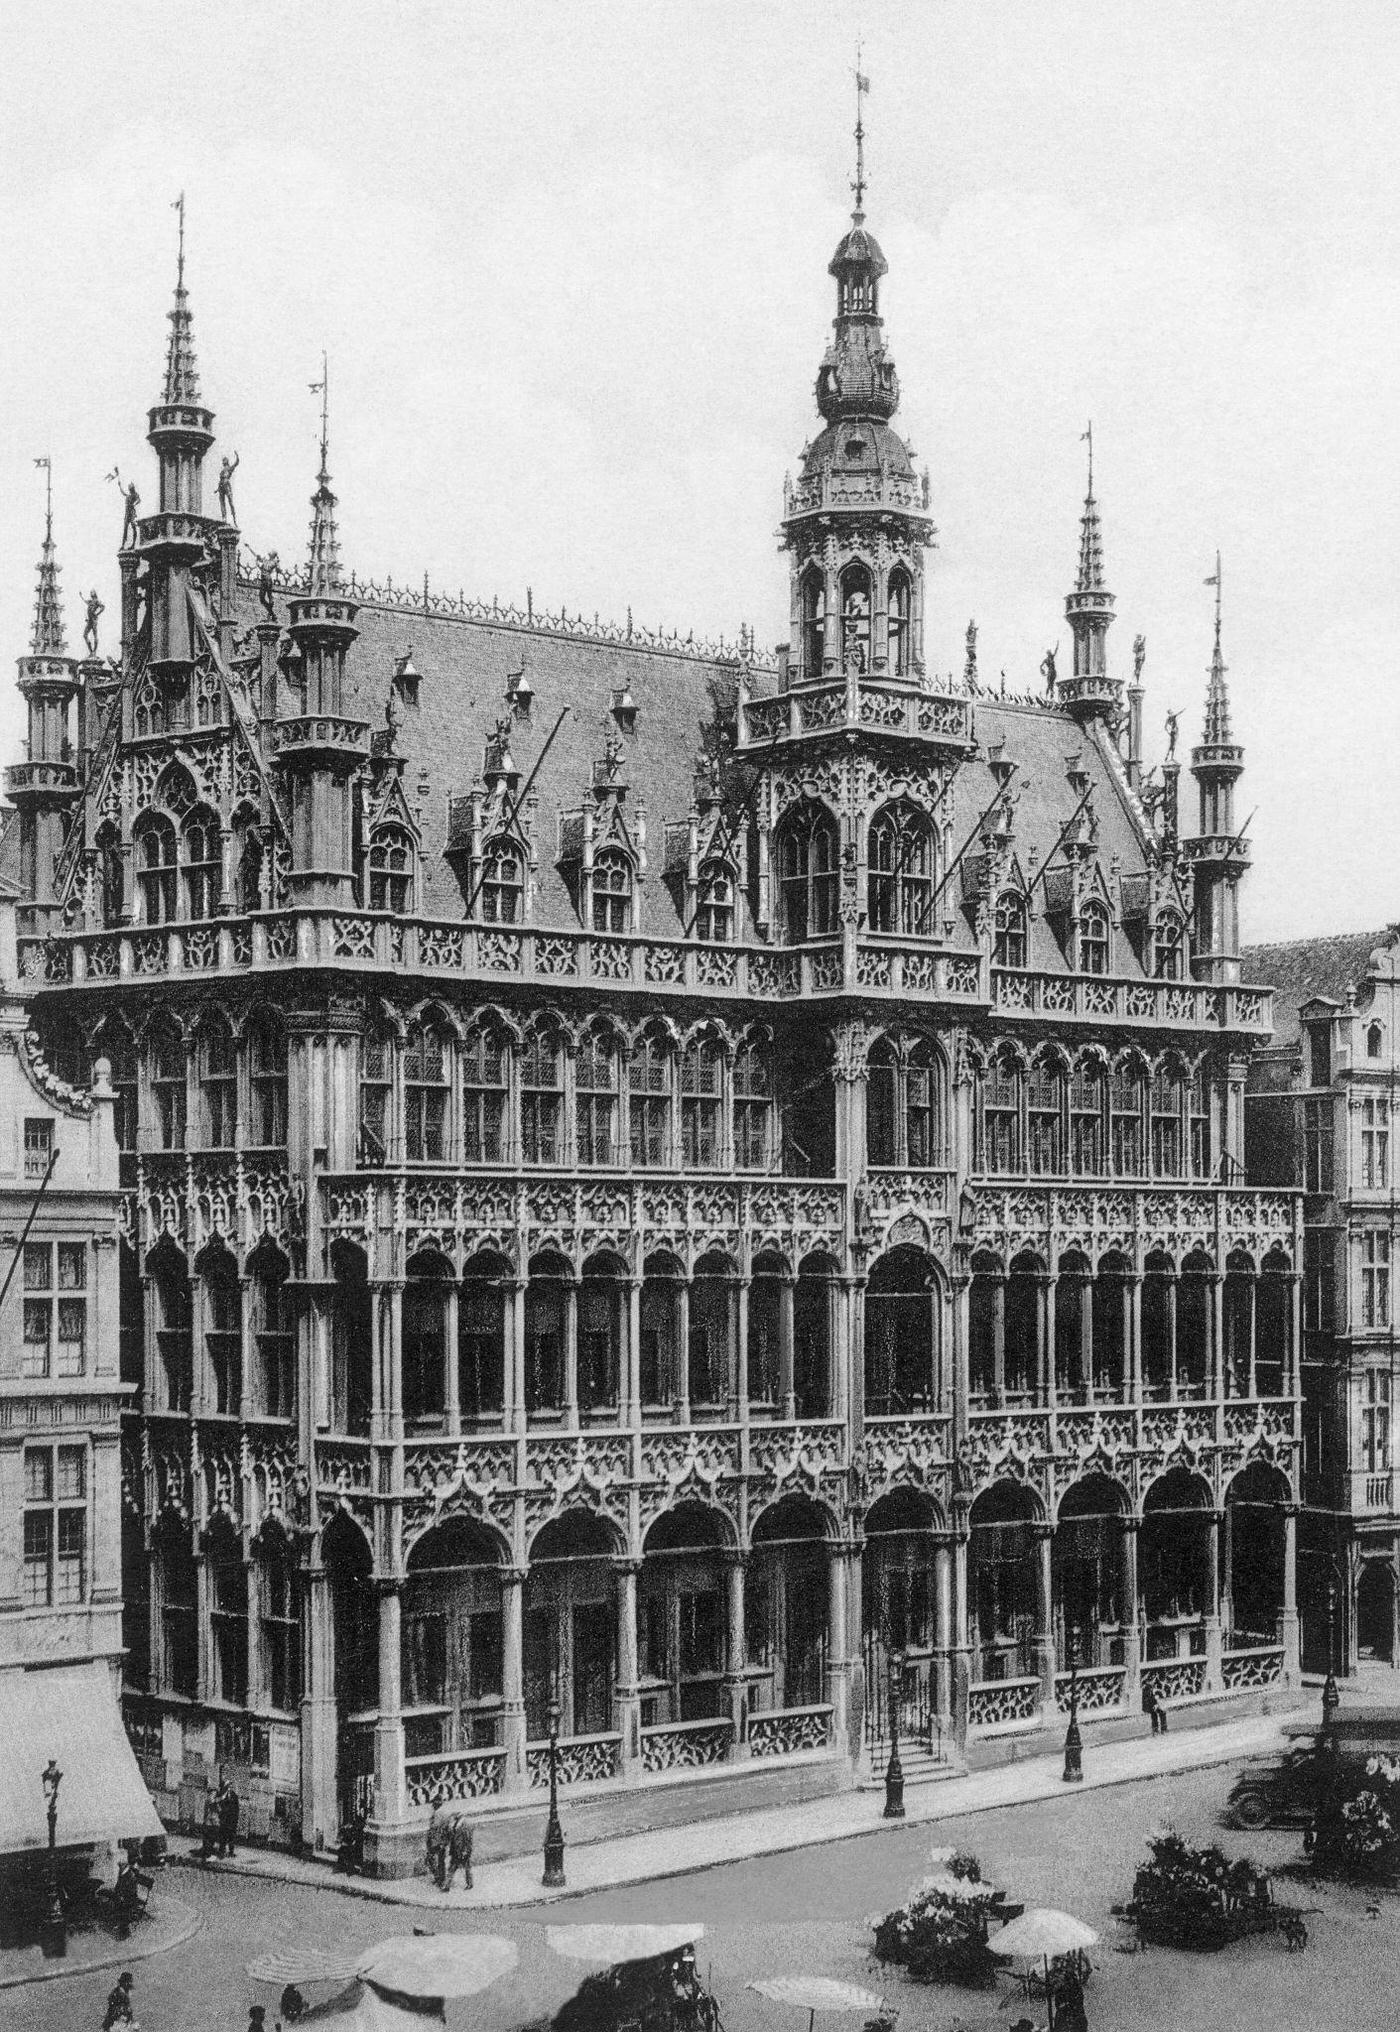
1093, 939
485, 1076
714, 911
542, 1099
1010, 936
650, 1072
1167, 1095
702, 1099
157, 871
1125, 1099
267, 1080
218, 1082
1168, 946
855, 618
1086, 1118
612, 891
425, 1093
807, 856
1045, 1103
597, 1099
813, 598
1001, 1114
899, 630
901, 871
391, 869
503, 883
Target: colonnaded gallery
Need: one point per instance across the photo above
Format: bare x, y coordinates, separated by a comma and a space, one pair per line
719, 1209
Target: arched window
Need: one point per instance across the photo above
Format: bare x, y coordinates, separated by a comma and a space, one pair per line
855, 618
376, 1094
702, 1091
1045, 1100
714, 910
425, 1341
218, 1084
1093, 939
425, 1093
1001, 1114
1086, 1118
612, 891
882, 1105
204, 880
1168, 946
649, 1077
391, 860
223, 1327
542, 1099
1010, 949
111, 875
267, 1080
503, 883
753, 1104
1200, 1122
1125, 1103
270, 1335
1168, 1089
901, 878
923, 1107
813, 623
899, 633
228, 1613
1375, 1040
114, 1043
156, 870
170, 1282
279, 1621
807, 856
485, 1078
167, 1063
596, 1099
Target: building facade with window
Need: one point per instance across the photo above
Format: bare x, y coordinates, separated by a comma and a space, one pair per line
655, 1177
1321, 1111
60, 1462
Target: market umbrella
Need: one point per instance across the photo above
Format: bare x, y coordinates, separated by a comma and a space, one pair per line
608, 1946
817, 1993
301, 1966
437, 1964
1041, 1934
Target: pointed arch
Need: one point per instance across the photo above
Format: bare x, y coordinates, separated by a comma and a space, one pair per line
812, 622
806, 855
612, 890
1009, 929
902, 862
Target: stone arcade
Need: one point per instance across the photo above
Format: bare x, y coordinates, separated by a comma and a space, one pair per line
753, 1201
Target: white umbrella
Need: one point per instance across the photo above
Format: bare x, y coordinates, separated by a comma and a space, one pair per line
608, 1946
301, 1965
1041, 1933
438, 1964
817, 1993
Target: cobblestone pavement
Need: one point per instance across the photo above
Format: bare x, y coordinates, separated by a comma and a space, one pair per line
804, 1911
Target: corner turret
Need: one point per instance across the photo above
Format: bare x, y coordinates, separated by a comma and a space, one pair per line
1089, 692
45, 785
1217, 854
179, 540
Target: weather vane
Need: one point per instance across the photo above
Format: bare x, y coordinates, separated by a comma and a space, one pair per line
179, 206
323, 389
47, 465
1087, 438
1214, 580
858, 186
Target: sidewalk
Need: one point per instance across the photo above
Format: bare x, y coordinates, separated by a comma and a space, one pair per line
672, 1852
170, 1924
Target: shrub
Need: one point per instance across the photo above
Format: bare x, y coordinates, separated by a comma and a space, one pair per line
1357, 1830
940, 1933
1187, 1897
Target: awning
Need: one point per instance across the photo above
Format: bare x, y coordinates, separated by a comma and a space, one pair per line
69, 1713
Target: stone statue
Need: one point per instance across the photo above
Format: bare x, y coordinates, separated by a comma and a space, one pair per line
1047, 669
267, 573
226, 472
1139, 657
970, 660
131, 502
95, 610
1173, 722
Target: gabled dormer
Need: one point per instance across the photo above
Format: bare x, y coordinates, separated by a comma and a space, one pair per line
706, 862
602, 848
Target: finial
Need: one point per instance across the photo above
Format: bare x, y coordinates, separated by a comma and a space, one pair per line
1088, 438
179, 206
323, 389
858, 185
1214, 580
47, 465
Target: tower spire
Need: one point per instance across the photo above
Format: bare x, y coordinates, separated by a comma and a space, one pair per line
1089, 690
324, 562
48, 638
1217, 723
181, 368
858, 182
1090, 579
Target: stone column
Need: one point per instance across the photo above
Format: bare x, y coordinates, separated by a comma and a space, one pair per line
741, 1348
942, 1627
1132, 1653
1086, 1338
451, 1377
840, 1554
1216, 1352
999, 1341
630, 1380
320, 1806
513, 1677
736, 1651
513, 1298
571, 1355
1293, 1372
1050, 1284
1132, 1337
390, 1792
1214, 1524
1253, 1334
962, 1647
627, 1703
1171, 1335
1046, 1659
1042, 1381
682, 1378
1289, 1630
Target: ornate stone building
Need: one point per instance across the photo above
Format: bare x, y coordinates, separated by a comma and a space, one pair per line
657, 1177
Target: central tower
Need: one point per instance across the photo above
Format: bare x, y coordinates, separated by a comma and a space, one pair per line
856, 523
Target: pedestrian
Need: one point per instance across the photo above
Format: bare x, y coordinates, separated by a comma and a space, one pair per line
227, 1800
292, 2004
460, 1852
1070, 2015
1154, 1710
257, 2014
119, 2011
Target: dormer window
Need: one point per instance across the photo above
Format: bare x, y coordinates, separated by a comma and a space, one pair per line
503, 884
1167, 947
1093, 939
612, 891
155, 853
1010, 948
390, 870
714, 913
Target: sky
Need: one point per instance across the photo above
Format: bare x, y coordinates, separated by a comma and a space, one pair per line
568, 262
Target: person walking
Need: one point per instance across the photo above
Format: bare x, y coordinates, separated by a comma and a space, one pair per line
1155, 1710
119, 2011
228, 1818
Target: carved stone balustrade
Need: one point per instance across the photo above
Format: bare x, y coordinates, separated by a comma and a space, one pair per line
784, 1732
1256, 1665
686, 1746
583, 1760
461, 1774
1175, 1678
1099, 1689
1003, 1703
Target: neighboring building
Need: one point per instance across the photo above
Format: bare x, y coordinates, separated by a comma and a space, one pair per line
1320, 1113
60, 1453
668, 1208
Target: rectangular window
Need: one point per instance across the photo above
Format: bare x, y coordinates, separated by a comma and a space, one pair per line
38, 1559
38, 1145
701, 1072
1375, 1146
1375, 1422
1375, 1279
55, 1317
55, 1526
1317, 1146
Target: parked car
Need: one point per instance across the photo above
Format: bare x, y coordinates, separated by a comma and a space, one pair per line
1277, 1791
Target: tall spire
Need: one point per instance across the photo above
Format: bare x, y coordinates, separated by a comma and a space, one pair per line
181, 368
858, 181
1090, 578
324, 562
1217, 726
1089, 690
48, 638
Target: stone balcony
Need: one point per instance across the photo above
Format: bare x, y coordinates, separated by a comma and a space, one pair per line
849, 702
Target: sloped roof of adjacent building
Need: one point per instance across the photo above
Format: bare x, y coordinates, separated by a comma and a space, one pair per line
1303, 968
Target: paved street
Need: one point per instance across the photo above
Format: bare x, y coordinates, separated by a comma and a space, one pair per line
804, 1911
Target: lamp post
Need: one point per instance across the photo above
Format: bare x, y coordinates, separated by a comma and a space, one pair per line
54, 1934
1073, 1773
894, 1770
1331, 1698
553, 1833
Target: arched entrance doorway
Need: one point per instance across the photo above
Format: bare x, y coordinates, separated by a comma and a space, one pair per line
1375, 1613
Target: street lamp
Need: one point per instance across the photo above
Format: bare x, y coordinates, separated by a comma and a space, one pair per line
54, 1935
1331, 1698
1074, 1748
553, 1833
894, 1770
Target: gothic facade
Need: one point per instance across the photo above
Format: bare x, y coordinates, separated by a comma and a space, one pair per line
695, 1194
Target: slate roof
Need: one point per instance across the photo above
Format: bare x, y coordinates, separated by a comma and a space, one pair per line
1302, 968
